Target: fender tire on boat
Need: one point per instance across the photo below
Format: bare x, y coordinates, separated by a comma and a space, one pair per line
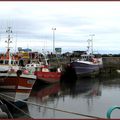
19, 72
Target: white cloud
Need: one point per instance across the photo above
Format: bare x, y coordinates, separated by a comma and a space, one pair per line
74, 21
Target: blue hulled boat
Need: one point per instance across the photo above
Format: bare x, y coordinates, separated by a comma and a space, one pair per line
87, 64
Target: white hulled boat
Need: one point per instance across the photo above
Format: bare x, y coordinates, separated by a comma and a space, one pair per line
11, 74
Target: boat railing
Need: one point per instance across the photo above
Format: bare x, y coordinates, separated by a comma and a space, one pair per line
110, 110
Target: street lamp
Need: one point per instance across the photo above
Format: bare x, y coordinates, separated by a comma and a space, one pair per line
92, 42
53, 39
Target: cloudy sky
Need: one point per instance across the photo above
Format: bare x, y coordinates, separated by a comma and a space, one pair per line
75, 22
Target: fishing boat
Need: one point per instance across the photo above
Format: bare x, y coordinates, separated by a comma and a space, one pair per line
35, 65
87, 64
12, 76
46, 75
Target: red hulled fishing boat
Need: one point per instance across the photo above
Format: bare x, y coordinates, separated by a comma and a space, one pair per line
46, 75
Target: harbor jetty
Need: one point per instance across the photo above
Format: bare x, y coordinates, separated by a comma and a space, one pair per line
110, 63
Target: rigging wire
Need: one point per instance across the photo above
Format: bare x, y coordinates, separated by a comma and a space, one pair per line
14, 105
60, 110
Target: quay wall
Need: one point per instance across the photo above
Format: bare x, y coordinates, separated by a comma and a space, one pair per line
111, 63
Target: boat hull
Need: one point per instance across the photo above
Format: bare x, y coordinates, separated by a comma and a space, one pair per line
13, 82
48, 77
85, 69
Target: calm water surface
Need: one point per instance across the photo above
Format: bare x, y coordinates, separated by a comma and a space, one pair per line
86, 96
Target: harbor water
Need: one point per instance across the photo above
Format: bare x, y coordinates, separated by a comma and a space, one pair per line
85, 98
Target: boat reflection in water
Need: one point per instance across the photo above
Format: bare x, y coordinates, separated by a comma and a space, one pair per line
16, 101
46, 95
86, 87
55, 96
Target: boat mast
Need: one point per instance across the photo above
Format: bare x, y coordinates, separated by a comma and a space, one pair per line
8, 41
92, 42
88, 50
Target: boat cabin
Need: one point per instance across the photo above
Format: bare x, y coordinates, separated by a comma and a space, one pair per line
86, 57
32, 65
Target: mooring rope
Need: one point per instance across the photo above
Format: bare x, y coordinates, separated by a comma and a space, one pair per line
15, 105
60, 110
